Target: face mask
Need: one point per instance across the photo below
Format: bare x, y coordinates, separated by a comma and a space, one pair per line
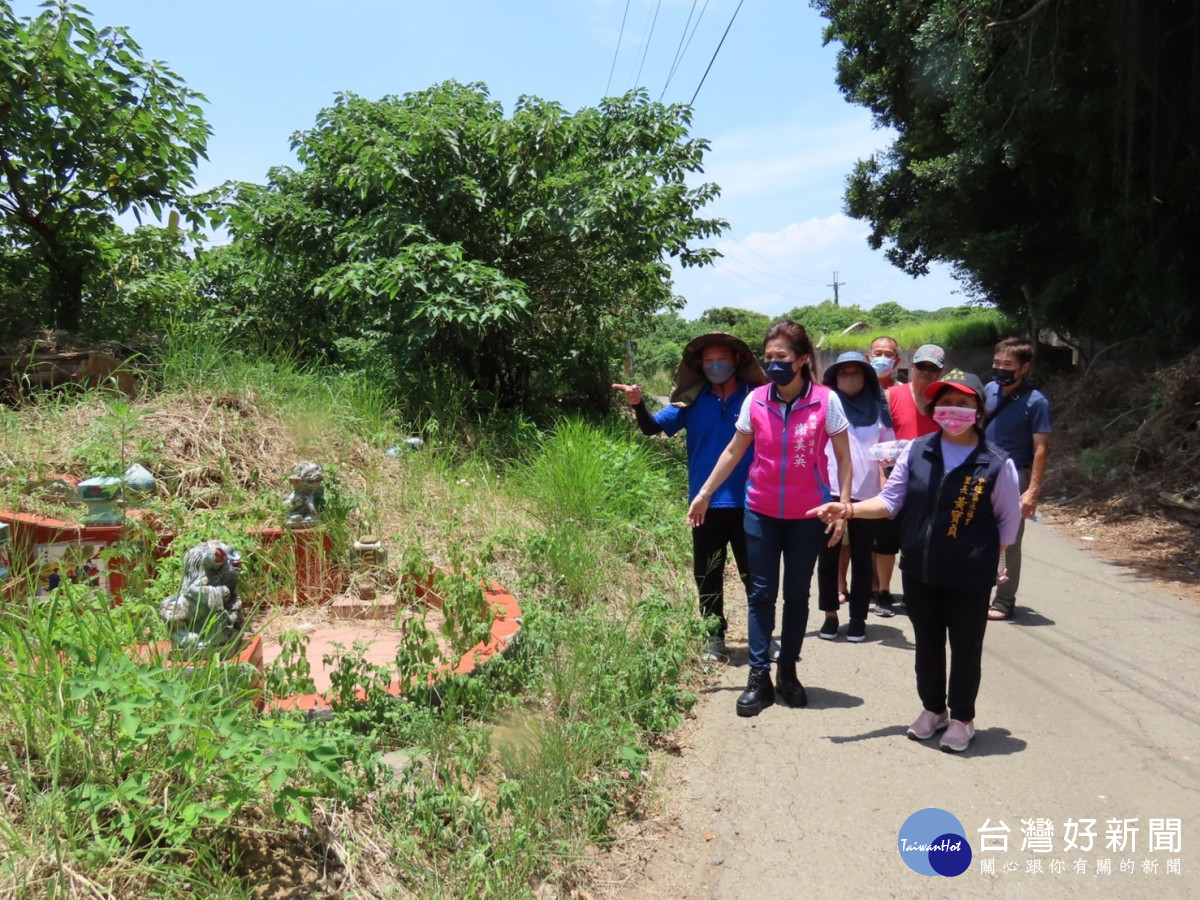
780, 372
1004, 377
883, 365
719, 371
954, 419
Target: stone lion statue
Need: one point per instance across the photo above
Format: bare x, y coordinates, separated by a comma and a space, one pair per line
306, 497
207, 612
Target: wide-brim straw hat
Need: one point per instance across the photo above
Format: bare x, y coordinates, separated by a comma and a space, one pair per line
689, 377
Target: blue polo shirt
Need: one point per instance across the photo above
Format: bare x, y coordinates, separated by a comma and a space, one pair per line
1027, 413
710, 424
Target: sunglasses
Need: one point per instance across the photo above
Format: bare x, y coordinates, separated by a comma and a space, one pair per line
926, 367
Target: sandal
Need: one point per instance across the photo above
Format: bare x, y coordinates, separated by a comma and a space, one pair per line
999, 614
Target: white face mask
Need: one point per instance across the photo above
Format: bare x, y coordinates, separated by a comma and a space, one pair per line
954, 419
883, 365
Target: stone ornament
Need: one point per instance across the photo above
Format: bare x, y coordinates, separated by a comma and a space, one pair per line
101, 496
104, 497
207, 612
303, 503
369, 566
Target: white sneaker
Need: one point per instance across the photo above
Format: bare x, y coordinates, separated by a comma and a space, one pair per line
715, 651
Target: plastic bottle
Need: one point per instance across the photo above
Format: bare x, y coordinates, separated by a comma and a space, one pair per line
888, 451
407, 446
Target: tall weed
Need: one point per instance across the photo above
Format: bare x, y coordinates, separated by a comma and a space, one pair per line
976, 328
147, 777
118, 759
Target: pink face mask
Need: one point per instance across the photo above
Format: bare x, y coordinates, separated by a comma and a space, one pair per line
954, 419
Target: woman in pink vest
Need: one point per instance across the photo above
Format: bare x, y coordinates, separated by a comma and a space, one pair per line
789, 422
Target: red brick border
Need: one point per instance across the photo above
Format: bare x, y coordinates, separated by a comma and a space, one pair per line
506, 624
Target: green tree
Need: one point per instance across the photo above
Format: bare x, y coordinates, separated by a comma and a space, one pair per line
660, 348
826, 318
1042, 149
139, 281
431, 233
430, 237
88, 129
890, 313
750, 326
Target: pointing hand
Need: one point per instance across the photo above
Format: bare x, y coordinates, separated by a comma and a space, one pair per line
633, 393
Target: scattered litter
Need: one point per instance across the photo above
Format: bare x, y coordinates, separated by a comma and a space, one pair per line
406, 446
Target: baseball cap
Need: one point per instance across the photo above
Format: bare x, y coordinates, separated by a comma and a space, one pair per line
962, 381
930, 353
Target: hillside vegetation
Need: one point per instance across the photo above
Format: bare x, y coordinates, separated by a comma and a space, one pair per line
123, 778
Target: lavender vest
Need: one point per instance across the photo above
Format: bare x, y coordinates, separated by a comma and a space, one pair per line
790, 474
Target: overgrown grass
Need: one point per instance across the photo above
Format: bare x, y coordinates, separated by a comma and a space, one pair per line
973, 329
120, 769
127, 777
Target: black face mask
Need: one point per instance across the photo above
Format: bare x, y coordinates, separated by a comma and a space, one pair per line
1004, 377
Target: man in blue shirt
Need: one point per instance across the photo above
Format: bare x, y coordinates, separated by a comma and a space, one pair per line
1018, 421
717, 373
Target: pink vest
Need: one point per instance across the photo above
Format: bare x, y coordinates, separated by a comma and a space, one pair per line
789, 475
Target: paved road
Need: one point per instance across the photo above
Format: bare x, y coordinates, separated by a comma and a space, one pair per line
1088, 710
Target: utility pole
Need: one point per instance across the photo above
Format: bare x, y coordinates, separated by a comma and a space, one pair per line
836, 284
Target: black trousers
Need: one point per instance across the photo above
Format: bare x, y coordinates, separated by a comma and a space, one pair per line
937, 613
862, 569
722, 528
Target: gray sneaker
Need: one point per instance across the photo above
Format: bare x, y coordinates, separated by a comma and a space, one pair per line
715, 652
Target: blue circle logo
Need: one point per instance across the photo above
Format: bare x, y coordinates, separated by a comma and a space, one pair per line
933, 842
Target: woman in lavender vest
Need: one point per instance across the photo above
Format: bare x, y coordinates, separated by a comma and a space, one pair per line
789, 421
962, 508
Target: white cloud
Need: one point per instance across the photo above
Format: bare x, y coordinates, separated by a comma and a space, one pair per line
775, 271
765, 162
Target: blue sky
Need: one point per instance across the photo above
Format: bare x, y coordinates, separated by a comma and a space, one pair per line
783, 138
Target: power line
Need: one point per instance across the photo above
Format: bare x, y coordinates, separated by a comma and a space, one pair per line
772, 262
613, 67
715, 52
637, 81
836, 284
783, 278
761, 287
680, 50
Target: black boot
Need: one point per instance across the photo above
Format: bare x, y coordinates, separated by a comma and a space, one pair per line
759, 693
791, 691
